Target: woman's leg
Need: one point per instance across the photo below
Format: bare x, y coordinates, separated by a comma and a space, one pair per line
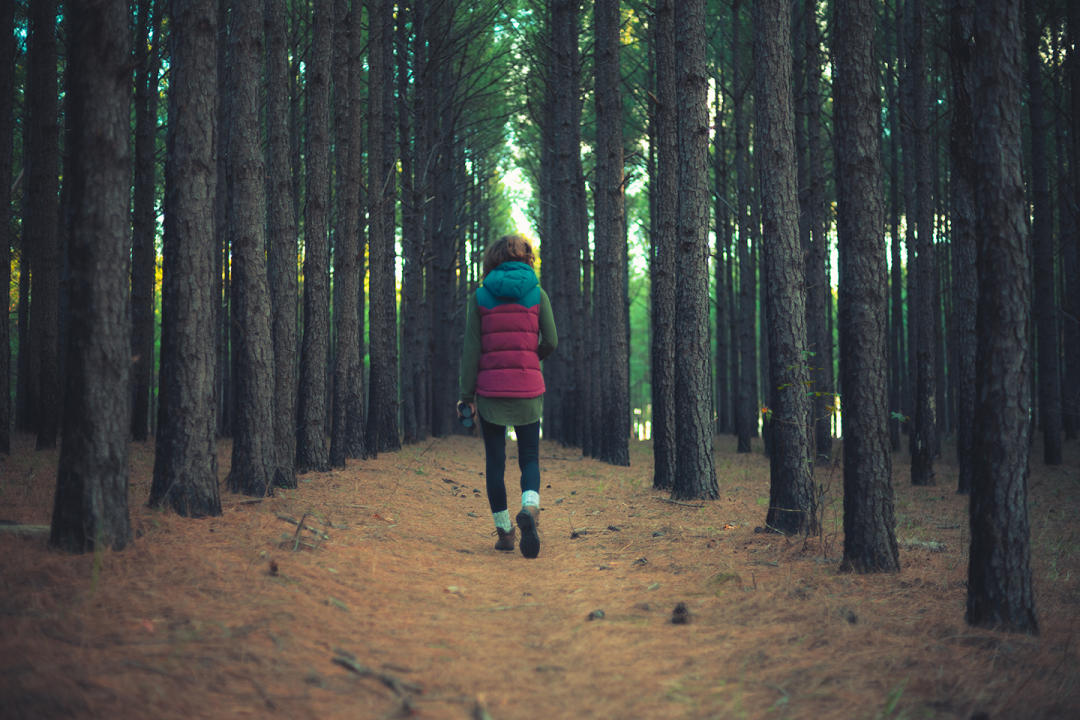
528, 437
495, 465
529, 461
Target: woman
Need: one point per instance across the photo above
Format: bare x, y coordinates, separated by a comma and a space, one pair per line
510, 329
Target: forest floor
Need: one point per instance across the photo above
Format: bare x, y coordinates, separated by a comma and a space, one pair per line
392, 601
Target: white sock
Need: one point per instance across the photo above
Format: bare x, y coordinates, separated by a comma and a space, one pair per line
502, 520
530, 497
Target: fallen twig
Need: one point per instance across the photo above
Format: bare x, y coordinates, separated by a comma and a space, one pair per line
302, 525
399, 686
677, 502
25, 529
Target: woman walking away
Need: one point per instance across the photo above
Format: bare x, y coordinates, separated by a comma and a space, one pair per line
510, 329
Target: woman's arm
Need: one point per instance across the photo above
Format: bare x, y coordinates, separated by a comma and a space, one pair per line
549, 337
470, 353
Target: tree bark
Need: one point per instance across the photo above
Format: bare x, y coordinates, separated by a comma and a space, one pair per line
965, 278
7, 237
282, 235
722, 274
223, 370
382, 424
662, 271
695, 469
90, 509
746, 410
1070, 241
869, 521
343, 442
924, 442
610, 310
1042, 227
185, 462
144, 216
311, 447
414, 373
792, 502
999, 569
256, 467
41, 226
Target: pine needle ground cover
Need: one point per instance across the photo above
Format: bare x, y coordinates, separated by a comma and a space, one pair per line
375, 592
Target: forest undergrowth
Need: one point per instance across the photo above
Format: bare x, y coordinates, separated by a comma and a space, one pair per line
375, 592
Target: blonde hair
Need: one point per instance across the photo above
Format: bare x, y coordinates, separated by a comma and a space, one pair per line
514, 246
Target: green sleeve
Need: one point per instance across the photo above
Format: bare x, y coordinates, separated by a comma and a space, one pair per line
470, 352
549, 338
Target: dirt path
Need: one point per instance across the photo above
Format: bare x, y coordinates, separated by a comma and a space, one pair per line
395, 604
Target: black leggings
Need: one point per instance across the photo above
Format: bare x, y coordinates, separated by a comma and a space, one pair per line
528, 438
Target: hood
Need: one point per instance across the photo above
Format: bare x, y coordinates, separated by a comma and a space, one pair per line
511, 280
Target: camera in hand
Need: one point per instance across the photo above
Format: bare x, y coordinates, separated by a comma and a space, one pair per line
466, 415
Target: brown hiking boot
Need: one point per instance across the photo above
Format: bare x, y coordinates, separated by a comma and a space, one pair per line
506, 540
528, 520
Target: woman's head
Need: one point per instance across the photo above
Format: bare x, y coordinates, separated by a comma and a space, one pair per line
508, 247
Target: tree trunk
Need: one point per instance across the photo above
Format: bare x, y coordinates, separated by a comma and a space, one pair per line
695, 470
722, 274
1042, 227
413, 368
897, 354
746, 411
256, 467
965, 278
662, 271
223, 370
185, 463
999, 570
792, 503
311, 448
819, 292
282, 240
869, 536
382, 427
7, 237
346, 435
41, 227
91, 509
1070, 240
144, 216
562, 247
924, 443
610, 263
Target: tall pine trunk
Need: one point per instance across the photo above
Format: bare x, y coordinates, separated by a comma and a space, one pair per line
185, 462
611, 311
695, 469
7, 237
255, 466
91, 505
746, 411
869, 535
924, 442
144, 216
1042, 227
1000, 592
382, 423
664, 190
311, 447
1070, 240
965, 277
792, 502
41, 226
346, 439
282, 234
